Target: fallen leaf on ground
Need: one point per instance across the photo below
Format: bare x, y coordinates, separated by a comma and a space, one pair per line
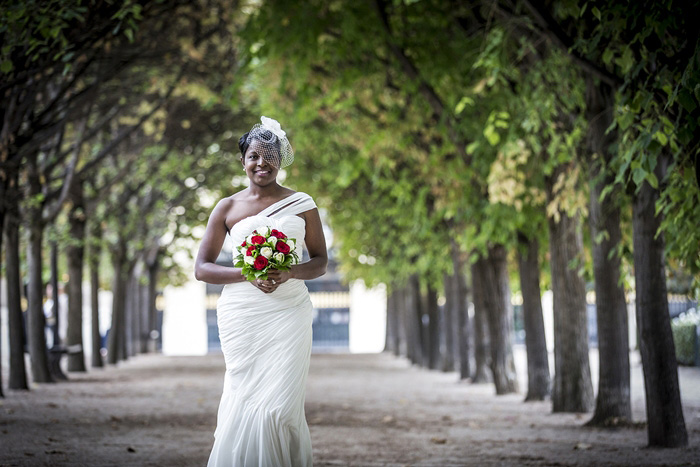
436, 440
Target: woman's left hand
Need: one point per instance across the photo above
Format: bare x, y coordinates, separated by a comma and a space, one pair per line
275, 277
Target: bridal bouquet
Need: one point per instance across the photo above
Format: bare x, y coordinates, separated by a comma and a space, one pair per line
265, 249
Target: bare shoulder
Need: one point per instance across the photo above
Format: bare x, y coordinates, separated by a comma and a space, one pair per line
224, 204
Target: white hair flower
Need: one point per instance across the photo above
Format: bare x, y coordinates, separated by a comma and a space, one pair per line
274, 126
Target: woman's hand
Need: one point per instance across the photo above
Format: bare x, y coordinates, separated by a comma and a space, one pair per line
275, 277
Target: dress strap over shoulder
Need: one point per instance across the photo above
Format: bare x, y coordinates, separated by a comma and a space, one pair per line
290, 206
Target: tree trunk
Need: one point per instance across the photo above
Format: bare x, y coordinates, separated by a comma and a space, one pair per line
56, 351
389, 343
538, 377
573, 390
53, 266
35, 313
116, 346
132, 313
499, 312
433, 328
152, 315
145, 311
75, 252
461, 312
447, 325
415, 310
481, 335
613, 402
2, 226
409, 322
15, 322
665, 422
94, 265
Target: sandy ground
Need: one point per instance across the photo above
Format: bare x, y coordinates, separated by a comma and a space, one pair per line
363, 410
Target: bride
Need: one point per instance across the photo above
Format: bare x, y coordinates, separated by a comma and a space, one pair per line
264, 325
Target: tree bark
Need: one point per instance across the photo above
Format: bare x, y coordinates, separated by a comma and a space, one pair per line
538, 377
152, 313
75, 253
447, 325
433, 328
389, 343
665, 422
35, 313
116, 346
94, 265
145, 317
2, 227
461, 311
499, 311
56, 351
572, 390
613, 401
415, 311
481, 335
132, 313
18, 372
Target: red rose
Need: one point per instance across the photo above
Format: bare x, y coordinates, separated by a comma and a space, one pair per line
260, 262
283, 247
250, 251
244, 243
257, 240
277, 233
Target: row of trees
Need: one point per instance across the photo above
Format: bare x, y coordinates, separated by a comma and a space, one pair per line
455, 146
452, 140
116, 115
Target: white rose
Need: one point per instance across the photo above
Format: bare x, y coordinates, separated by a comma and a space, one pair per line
263, 230
272, 239
249, 239
291, 244
266, 251
274, 126
279, 257
249, 260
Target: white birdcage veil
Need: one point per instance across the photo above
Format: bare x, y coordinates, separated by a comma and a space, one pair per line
271, 143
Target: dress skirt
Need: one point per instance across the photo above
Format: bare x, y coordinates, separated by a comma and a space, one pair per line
266, 342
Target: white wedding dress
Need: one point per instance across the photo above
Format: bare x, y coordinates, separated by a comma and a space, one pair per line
266, 342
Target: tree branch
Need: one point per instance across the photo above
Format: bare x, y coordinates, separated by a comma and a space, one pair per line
552, 29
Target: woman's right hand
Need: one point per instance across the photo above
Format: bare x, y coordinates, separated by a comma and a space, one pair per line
265, 285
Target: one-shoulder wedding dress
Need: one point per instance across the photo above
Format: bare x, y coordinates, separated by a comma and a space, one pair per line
266, 342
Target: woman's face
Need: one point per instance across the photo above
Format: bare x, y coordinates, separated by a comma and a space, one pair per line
259, 170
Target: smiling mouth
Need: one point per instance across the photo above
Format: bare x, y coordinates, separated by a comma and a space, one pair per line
263, 172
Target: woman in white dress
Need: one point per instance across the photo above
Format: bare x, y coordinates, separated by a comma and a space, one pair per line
264, 325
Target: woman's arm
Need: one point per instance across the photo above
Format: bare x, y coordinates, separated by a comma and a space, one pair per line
316, 245
205, 267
